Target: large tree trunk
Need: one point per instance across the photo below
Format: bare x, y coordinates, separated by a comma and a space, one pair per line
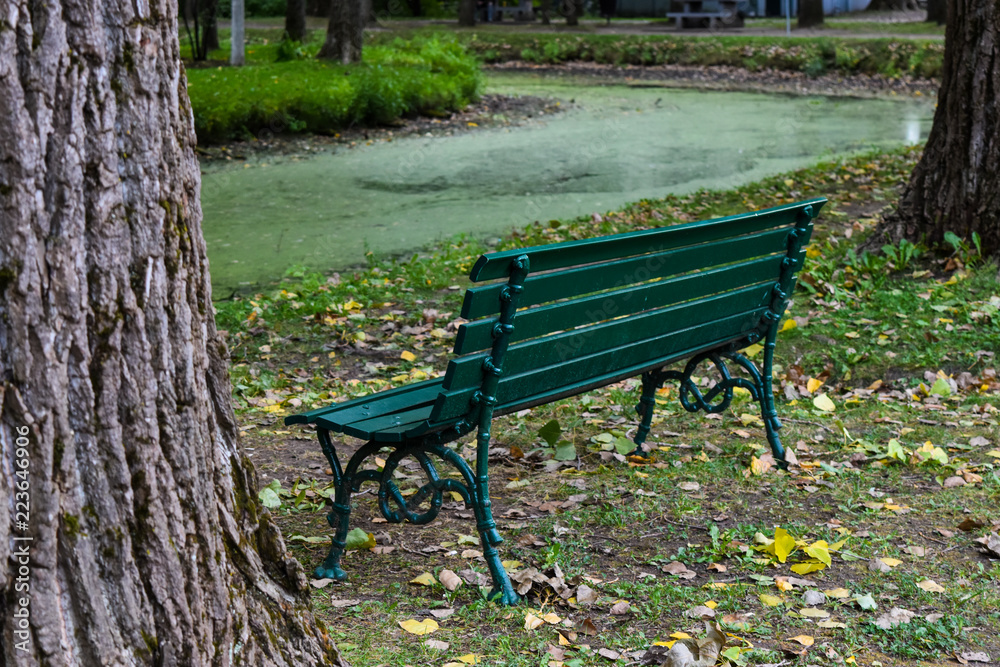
956, 185
937, 11
890, 5
810, 13
467, 12
345, 32
295, 20
141, 539
210, 33
319, 8
572, 9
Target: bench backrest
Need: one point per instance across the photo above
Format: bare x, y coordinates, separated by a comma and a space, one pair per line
599, 310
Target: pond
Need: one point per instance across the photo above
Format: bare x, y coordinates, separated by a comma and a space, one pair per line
615, 144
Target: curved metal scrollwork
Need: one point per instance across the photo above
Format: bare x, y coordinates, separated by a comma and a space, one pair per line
691, 396
433, 489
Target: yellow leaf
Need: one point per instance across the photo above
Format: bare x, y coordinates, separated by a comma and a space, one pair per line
551, 618
469, 659
415, 627
758, 467
891, 562
850, 660
769, 600
753, 350
823, 402
788, 324
931, 586
820, 550
425, 579
532, 622
667, 644
836, 545
274, 408
783, 585
406, 355
814, 613
995, 453
511, 564
813, 384
562, 640
749, 419
805, 640
681, 635
784, 544
813, 252
808, 566
838, 593
711, 604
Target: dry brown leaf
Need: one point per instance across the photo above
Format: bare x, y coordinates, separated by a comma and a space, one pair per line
585, 595
697, 652
620, 608
449, 580
892, 618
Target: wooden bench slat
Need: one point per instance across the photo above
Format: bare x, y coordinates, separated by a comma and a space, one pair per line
564, 315
559, 255
467, 371
580, 374
484, 301
336, 416
389, 428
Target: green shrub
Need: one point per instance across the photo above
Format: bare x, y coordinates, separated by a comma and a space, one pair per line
401, 78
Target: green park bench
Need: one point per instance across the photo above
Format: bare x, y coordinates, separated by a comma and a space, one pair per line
554, 321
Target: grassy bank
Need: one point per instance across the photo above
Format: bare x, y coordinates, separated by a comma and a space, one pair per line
887, 57
886, 383
302, 94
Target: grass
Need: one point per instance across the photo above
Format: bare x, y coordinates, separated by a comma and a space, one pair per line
882, 338
302, 94
861, 27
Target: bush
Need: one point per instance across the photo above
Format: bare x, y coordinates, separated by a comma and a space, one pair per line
888, 57
402, 78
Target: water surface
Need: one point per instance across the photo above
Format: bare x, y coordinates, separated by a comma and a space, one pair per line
616, 144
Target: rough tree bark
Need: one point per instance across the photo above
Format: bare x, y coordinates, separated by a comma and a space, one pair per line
295, 20
467, 12
572, 10
143, 542
345, 32
890, 5
956, 185
937, 11
810, 13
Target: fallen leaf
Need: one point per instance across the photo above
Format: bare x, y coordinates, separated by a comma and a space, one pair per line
970, 525
406, 355
425, 579
415, 627
913, 550
679, 569
609, 654
585, 595
784, 544
587, 627
697, 652
813, 384
449, 580
892, 618
769, 600
469, 659
437, 645
805, 640
976, 656
701, 611
359, 539
689, 486
823, 402
622, 607
442, 613
532, 622
831, 624
812, 612
993, 544
808, 566
341, 604
866, 602
320, 583
838, 593
931, 586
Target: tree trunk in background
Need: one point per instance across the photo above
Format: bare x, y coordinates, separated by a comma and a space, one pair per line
810, 13
890, 5
210, 25
345, 32
146, 542
467, 12
319, 8
937, 11
546, 10
956, 185
237, 37
416, 7
295, 20
571, 9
